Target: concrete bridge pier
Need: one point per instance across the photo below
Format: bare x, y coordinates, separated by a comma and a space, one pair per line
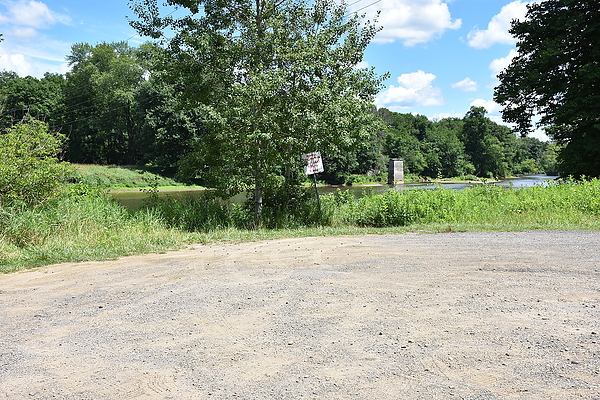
396, 171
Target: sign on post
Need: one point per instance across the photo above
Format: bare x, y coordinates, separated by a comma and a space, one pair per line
314, 163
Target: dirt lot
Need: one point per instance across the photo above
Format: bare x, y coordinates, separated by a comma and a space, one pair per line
445, 316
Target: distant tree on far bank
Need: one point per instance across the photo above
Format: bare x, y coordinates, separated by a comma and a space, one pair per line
453, 147
556, 76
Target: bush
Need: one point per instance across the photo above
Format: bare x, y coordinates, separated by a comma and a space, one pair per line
401, 208
202, 213
29, 169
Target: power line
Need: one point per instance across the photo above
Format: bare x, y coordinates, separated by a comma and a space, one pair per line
99, 114
74, 108
362, 8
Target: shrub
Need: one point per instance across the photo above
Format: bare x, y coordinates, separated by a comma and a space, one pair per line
29, 169
202, 213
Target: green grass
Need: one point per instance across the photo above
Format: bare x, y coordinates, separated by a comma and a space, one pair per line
83, 224
78, 229
121, 177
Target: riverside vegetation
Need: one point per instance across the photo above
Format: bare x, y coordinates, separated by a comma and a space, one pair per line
49, 214
82, 223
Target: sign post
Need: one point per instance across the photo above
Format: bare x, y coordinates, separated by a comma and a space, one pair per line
314, 165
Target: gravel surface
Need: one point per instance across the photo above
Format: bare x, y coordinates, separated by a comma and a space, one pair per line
497, 315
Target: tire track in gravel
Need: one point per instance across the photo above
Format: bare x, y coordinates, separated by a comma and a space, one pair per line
496, 315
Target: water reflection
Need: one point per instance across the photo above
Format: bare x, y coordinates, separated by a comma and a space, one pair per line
522, 181
133, 200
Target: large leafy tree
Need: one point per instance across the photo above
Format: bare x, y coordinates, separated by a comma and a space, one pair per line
165, 132
556, 75
446, 154
22, 98
98, 114
491, 147
276, 78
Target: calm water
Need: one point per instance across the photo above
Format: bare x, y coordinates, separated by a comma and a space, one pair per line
133, 200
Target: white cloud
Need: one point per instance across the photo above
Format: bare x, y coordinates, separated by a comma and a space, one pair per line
466, 85
25, 50
22, 32
361, 65
540, 135
30, 13
24, 64
497, 29
410, 21
490, 105
415, 89
441, 116
499, 64
15, 62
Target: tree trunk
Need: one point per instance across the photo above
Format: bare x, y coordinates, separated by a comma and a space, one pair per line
257, 205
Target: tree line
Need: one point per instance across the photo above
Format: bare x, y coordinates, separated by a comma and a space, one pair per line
113, 111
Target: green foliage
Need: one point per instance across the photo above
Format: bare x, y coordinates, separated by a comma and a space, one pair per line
203, 213
29, 169
165, 132
490, 147
99, 117
365, 179
455, 147
29, 97
552, 206
81, 224
555, 76
207, 212
275, 80
397, 208
288, 207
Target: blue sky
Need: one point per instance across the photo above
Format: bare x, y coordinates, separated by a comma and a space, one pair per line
442, 55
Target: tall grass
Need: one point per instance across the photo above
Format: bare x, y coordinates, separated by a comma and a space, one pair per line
554, 206
79, 228
83, 224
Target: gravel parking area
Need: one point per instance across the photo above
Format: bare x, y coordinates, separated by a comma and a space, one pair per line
475, 315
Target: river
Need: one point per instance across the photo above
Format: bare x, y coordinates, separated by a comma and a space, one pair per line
133, 200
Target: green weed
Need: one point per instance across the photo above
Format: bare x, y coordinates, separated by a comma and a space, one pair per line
83, 224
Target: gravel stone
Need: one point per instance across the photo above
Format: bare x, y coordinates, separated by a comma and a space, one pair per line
473, 315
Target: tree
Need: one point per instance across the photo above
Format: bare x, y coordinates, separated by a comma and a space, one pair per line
443, 139
165, 131
98, 116
399, 143
404, 133
29, 97
490, 147
29, 169
276, 78
556, 76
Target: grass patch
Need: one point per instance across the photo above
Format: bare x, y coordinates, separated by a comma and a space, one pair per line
79, 228
121, 177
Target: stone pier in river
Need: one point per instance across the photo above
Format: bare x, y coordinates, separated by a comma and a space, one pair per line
396, 171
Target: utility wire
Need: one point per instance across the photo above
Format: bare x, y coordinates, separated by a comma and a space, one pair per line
74, 107
362, 8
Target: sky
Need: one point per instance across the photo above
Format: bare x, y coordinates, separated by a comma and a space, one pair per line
442, 55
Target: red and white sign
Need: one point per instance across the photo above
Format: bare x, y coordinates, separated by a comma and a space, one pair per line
314, 163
